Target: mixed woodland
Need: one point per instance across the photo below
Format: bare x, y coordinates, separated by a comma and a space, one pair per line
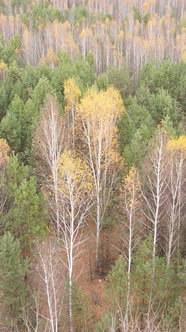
92, 165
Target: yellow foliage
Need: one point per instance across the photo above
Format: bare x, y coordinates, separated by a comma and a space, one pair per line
131, 187
184, 56
3, 67
86, 33
99, 112
102, 106
132, 179
121, 35
178, 144
74, 174
72, 93
66, 25
51, 58
146, 6
4, 151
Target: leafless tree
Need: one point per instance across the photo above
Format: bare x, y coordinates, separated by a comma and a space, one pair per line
52, 276
176, 201
130, 200
30, 316
75, 199
154, 189
48, 146
46, 308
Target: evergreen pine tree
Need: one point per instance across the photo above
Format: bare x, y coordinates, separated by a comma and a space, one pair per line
13, 290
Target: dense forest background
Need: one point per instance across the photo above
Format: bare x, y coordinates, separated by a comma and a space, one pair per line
92, 165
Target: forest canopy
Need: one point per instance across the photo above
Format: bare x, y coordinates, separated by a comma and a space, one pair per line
92, 165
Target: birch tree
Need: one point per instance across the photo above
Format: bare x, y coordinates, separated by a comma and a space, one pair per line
99, 113
49, 143
47, 289
155, 187
72, 94
131, 203
26, 316
176, 195
75, 195
51, 273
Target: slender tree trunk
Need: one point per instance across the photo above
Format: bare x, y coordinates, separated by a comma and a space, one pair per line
171, 237
70, 304
71, 254
128, 273
156, 220
57, 212
73, 127
97, 233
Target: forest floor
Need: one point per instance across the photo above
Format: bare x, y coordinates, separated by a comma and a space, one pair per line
91, 284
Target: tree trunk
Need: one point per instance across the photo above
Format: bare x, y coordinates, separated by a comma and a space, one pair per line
70, 305
97, 234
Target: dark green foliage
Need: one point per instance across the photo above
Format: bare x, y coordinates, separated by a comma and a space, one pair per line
19, 3
18, 82
146, 17
168, 76
6, 87
108, 321
117, 283
42, 13
13, 290
164, 288
157, 99
135, 151
160, 105
136, 117
77, 14
80, 69
18, 124
121, 79
8, 53
103, 17
25, 80
148, 295
17, 127
13, 125
137, 15
24, 214
27, 216
16, 174
155, 103
82, 315
23, 94
102, 82
39, 95
136, 129
12, 5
